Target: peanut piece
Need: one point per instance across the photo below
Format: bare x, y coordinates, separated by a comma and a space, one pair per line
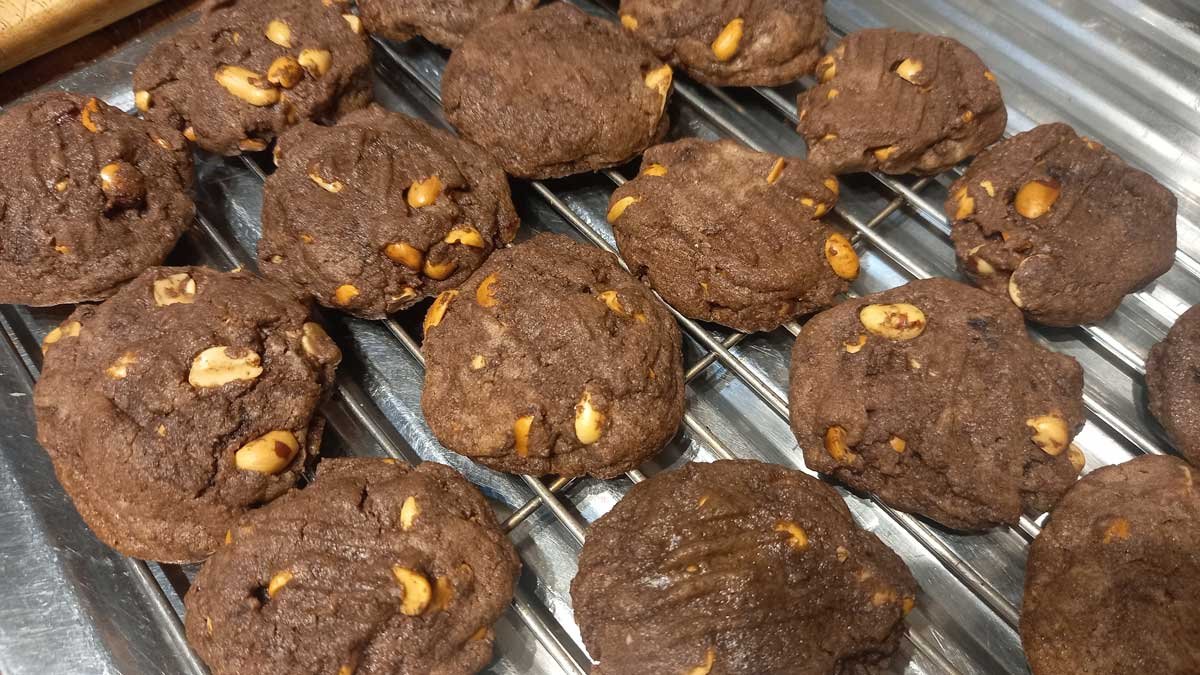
826, 68
317, 344
485, 295
610, 299
141, 99
120, 369
835, 445
521, 430
1117, 530
659, 80
406, 254
190, 134
882, 154
907, 604
900, 321
122, 184
841, 257
277, 582
833, 93
247, 85
316, 61
92, 105
334, 186
354, 22
898, 444
728, 40
797, 537
252, 145
344, 294
175, 289
988, 187
908, 69
856, 346
982, 266
443, 593
269, 453
966, 204
68, 329
710, 657
285, 72
215, 366
588, 420
409, 511
424, 192
1037, 197
618, 207
654, 170
776, 171
438, 271
832, 184
1049, 433
478, 362
1077, 458
279, 33
629, 21
438, 309
417, 592
465, 235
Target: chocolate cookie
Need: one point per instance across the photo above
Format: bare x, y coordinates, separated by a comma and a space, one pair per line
1113, 579
1173, 384
933, 397
760, 42
93, 198
381, 211
247, 70
181, 402
374, 568
555, 91
445, 22
731, 235
738, 567
552, 359
1060, 225
900, 103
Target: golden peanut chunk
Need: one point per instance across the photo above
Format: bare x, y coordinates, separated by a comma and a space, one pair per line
443, 593
1117, 530
285, 72
521, 430
409, 511
618, 207
62, 185
884, 597
988, 187
908, 69
629, 21
346, 670
728, 40
589, 421
827, 137
68, 329
333, 186
315, 61
90, 107
208, 626
438, 271
120, 369
478, 362
966, 204
900, 321
898, 444
882, 154
832, 184
465, 235
797, 537
659, 80
835, 445
1077, 458
344, 294
317, 344
702, 501
252, 145
833, 93
982, 266
991, 77
485, 295
228, 537
907, 604
1050, 433
841, 257
826, 68
967, 117
354, 22
438, 309
843, 554
269, 453
654, 170
216, 366
710, 657
277, 582
190, 134
406, 254
247, 85
424, 192
417, 592
1037, 197
610, 299
141, 99
279, 33
481, 634
776, 171
406, 293
855, 346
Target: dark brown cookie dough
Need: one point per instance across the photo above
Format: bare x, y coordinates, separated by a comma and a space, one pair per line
1113, 579
900, 103
248, 69
731, 235
746, 43
93, 198
555, 91
1173, 384
738, 567
933, 397
374, 568
1060, 225
179, 403
381, 211
445, 22
551, 359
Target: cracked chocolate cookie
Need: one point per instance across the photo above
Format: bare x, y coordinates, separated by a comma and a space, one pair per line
1112, 580
1173, 384
445, 22
760, 42
381, 211
374, 568
181, 402
731, 235
1060, 225
933, 397
900, 103
738, 567
556, 91
551, 359
94, 197
248, 70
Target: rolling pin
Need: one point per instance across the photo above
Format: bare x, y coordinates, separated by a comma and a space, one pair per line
30, 28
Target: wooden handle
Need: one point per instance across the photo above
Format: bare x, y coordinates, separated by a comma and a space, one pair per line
30, 28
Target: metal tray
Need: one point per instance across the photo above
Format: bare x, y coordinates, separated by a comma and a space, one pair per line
1121, 71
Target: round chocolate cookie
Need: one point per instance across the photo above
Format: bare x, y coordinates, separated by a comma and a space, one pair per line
1173, 384
555, 91
900, 103
248, 69
445, 22
381, 211
1060, 225
1113, 579
184, 400
759, 42
731, 235
374, 568
93, 198
738, 567
933, 397
552, 359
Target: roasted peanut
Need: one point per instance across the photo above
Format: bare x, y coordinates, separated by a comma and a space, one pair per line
406, 254
1049, 433
521, 429
123, 184
190, 134
269, 453
478, 362
1117, 530
285, 72
629, 21
344, 294
907, 605
654, 170
989, 75
1076, 457
175, 289
90, 107
841, 257
900, 321
619, 206
247, 85
1037, 197
610, 299
68, 329
1014, 292
485, 295
898, 444
465, 235
710, 657
417, 592
659, 80
882, 154
438, 309
728, 40
279, 33
277, 582
334, 186
141, 99
856, 346
438, 271
317, 344
252, 145
908, 69
119, 370
832, 184
835, 445
409, 511
988, 187
843, 553
424, 192
826, 68
966, 204
776, 171
589, 421
354, 22
833, 93
215, 366
443, 594
797, 537
982, 266
315, 61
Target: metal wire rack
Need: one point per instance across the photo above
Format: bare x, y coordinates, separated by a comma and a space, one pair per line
967, 616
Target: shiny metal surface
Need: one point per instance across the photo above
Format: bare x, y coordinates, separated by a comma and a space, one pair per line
1121, 71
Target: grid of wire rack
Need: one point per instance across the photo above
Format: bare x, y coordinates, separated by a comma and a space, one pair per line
122, 615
